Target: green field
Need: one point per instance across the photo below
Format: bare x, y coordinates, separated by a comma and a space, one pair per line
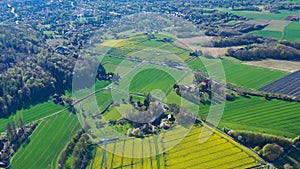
141, 47
182, 149
33, 113
47, 142
253, 114
148, 77
261, 15
292, 32
151, 79
239, 74
115, 113
269, 34
118, 66
259, 115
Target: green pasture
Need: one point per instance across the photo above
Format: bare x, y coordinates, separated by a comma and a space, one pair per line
47, 142
31, 114
238, 73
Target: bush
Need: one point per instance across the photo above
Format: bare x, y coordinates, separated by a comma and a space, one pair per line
257, 139
272, 151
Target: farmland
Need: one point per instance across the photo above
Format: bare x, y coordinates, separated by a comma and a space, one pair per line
281, 31
288, 85
254, 114
170, 149
148, 77
239, 74
257, 114
277, 25
291, 32
31, 114
117, 65
269, 34
287, 66
47, 141
142, 48
151, 79
162, 63
262, 15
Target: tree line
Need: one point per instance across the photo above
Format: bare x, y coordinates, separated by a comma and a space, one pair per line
266, 51
17, 135
79, 149
268, 146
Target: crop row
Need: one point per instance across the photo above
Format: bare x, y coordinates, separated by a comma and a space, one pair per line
216, 152
286, 85
195, 143
205, 157
47, 142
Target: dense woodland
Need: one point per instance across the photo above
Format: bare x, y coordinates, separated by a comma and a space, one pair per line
30, 70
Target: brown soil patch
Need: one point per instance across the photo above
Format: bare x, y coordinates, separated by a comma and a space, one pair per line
288, 66
189, 44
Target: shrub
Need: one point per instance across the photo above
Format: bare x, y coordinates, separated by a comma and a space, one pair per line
272, 151
257, 139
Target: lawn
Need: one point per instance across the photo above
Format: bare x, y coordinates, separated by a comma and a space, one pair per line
238, 73
181, 148
115, 112
31, 114
47, 142
183, 103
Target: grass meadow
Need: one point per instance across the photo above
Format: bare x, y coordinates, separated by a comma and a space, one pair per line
47, 142
31, 114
